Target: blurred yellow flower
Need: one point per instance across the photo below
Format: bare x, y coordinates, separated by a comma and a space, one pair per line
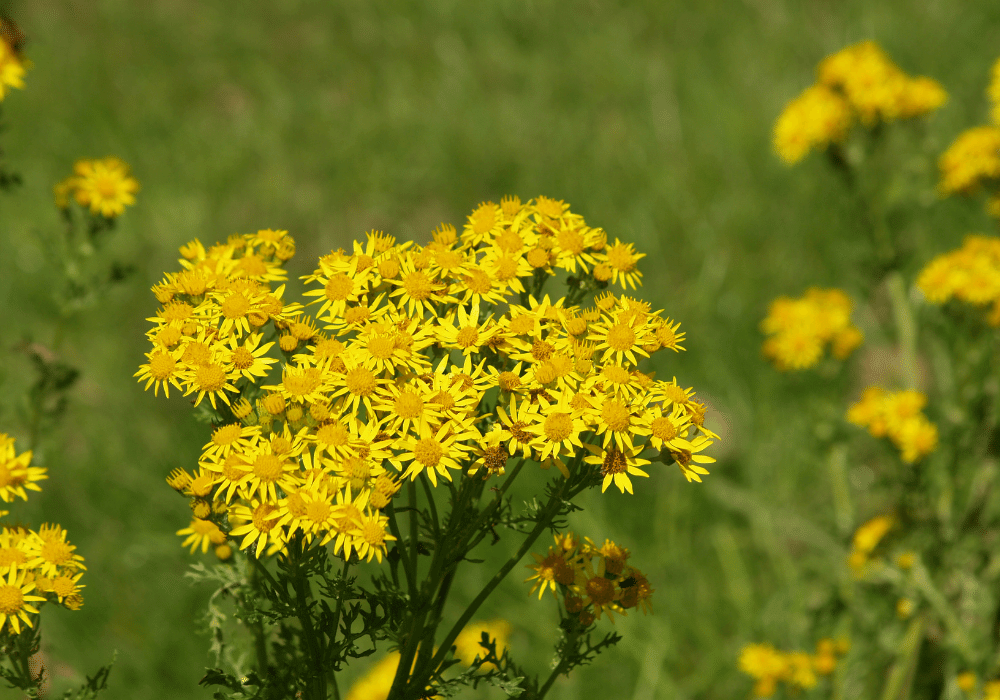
898, 416
972, 158
799, 329
467, 646
104, 185
817, 117
12, 69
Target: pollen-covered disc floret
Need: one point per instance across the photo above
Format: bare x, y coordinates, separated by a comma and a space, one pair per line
799, 330
434, 362
590, 580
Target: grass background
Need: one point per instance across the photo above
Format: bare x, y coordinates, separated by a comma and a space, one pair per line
328, 119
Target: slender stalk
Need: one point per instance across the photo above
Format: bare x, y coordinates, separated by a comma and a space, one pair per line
315, 647
257, 628
556, 672
543, 523
900, 679
411, 579
425, 483
411, 492
906, 328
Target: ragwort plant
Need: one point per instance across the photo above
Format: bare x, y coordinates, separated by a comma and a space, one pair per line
917, 592
391, 424
42, 567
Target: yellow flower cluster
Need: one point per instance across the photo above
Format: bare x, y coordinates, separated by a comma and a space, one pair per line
866, 539
973, 158
420, 360
817, 117
799, 329
32, 562
897, 415
12, 65
376, 684
798, 669
967, 680
589, 580
104, 186
970, 274
858, 81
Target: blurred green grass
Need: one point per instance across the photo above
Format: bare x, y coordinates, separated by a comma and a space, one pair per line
651, 118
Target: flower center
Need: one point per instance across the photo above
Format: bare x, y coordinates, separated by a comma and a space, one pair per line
236, 305
614, 462
261, 517
558, 427
11, 600
267, 467
600, 590
663, 428
227, 435
57, 552
428, 452
467, 337
373, 533
478, 282
508, 381
621, 337
211, 377
381, 347
339, 287
161, 365
541, 350
408, 405
615, 415
360, 381
417, 285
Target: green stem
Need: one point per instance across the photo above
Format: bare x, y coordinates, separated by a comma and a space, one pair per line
411, 579
425, 483
900, 680
937, 600
551, 508
411, 492
302, 595
257, 628
906, 328
336, 625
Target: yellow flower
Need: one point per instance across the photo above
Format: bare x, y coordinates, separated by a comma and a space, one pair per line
11, 69
799, 329
105, 186
817, 117
16, 601
202, 532
966, 681
761, 661
921, 95
993, 93
467, 644
971, 158
616, 464
16, 474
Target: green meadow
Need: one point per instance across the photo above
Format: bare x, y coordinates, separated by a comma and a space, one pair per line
653, 119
